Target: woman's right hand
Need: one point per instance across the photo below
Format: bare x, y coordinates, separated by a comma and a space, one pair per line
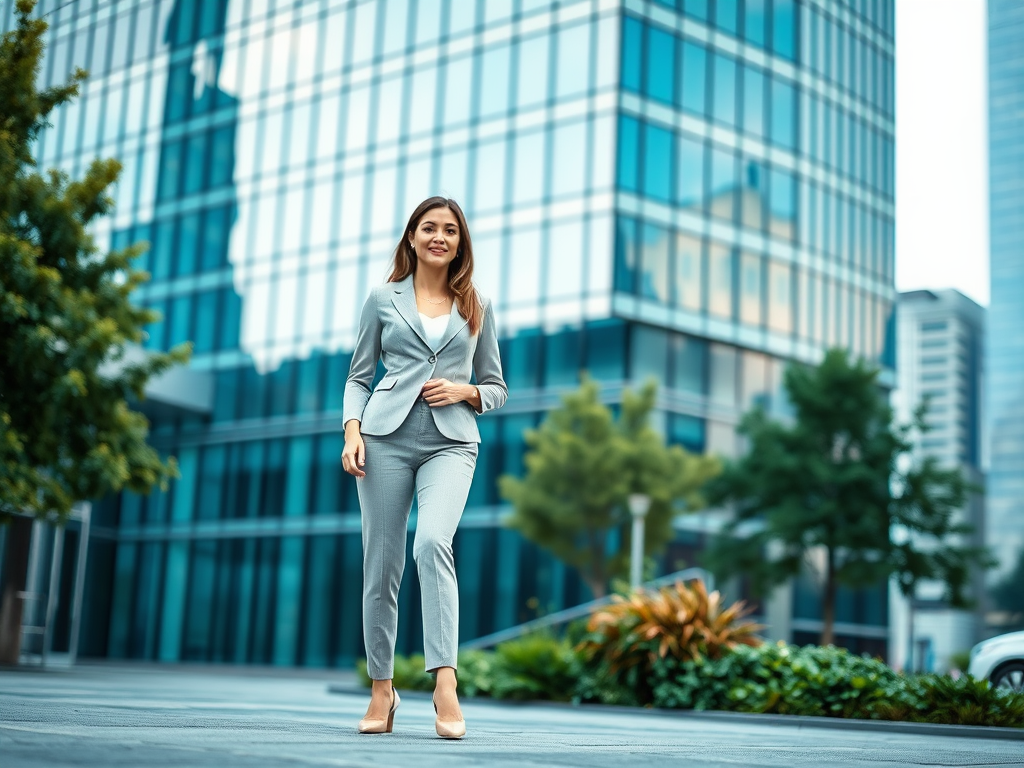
353, 457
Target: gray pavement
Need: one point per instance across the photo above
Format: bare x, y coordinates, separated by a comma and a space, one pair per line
177, 715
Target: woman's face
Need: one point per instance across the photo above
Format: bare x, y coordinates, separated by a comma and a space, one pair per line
436, 237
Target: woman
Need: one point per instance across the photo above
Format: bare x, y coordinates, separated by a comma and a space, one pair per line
416, 433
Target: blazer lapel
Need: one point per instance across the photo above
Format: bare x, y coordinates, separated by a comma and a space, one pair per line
456, 322
404, 299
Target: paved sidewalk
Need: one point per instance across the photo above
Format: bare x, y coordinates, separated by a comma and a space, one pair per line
156, 716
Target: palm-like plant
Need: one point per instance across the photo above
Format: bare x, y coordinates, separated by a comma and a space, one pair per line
684, 622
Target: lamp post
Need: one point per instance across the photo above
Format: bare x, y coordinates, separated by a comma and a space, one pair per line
639, 503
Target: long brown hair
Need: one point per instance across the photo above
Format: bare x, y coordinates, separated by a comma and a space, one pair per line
460, 269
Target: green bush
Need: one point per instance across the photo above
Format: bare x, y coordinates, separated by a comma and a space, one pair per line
829, 682
780, 679
960, 701
537, 666
410, 673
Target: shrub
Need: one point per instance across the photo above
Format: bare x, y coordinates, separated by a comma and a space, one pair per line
410, 673
632, 637
961, 701
537, 666
780, 679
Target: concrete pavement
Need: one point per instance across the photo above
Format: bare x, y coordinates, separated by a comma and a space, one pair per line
218, 717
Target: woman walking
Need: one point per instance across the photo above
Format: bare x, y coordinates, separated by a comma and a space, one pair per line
416, 433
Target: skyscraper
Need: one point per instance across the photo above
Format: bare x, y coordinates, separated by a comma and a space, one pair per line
698, 191
941, 337
1005, 365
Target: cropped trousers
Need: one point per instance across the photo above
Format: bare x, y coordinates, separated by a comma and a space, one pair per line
414, 459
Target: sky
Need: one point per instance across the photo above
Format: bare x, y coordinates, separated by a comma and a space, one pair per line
941, 150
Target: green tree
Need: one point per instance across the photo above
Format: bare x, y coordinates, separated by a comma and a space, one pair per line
581, 465
67, 431
839, 481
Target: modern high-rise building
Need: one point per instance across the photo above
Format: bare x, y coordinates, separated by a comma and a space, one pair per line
940, 349
1005, 363
698, 191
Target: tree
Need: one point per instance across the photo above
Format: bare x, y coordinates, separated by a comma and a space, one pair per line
582, 464
67, 431
838, 481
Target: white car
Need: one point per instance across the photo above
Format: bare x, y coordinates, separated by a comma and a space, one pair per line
1000, 660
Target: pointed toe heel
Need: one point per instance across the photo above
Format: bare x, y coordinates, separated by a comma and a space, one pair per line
446, 729
381, 726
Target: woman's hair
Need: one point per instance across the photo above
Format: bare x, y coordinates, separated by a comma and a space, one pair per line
460, 269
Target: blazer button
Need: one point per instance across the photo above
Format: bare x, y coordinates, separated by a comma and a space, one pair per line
432, 360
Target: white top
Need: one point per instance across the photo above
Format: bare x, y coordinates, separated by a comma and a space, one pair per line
435, 327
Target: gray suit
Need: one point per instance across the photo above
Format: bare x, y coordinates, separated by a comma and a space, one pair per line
413, 448
390, 329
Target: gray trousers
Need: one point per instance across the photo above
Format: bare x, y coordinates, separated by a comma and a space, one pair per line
415, 458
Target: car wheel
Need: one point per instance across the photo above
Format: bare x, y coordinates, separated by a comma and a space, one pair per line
1010, 677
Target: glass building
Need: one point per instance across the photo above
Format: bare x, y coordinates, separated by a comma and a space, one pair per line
941, 337
1005, 364
697, 191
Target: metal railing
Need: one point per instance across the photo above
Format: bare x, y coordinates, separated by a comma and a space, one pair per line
568, 614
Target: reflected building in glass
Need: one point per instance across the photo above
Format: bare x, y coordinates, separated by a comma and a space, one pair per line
697, 191
1005, 363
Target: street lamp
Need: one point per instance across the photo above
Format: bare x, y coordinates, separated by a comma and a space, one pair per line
639, 503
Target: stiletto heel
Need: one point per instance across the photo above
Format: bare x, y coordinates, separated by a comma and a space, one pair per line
382, 726
448, 730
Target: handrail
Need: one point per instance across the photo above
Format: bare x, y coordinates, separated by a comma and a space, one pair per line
583, 609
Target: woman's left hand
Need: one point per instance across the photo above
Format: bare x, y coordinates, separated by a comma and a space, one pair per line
443, 392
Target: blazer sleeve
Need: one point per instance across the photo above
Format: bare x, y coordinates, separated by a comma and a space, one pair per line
487, 366
364, 361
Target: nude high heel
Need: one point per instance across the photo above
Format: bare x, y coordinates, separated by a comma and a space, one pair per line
448, 730
381, 726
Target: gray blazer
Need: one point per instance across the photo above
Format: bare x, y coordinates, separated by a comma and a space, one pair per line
390, 329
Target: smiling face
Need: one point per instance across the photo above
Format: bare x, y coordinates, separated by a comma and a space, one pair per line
436, 237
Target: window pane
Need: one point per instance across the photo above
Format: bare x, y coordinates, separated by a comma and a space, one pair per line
632, 44
753, 101
529, 168
629, 149
654, 279
782, 220
573, 60
696, 8
694, 78
750, 289
690, 175
754, 21
661, 65
458, 90
783, 114
533, 71
726, 15
724, 110
689, 272
570, 159
753, 195
723, 183
625, 254
784, 28
494, 86
689, 363
648, 354
658, 163
720, 280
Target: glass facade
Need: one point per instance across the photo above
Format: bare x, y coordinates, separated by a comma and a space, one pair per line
697, 191
1005, 364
